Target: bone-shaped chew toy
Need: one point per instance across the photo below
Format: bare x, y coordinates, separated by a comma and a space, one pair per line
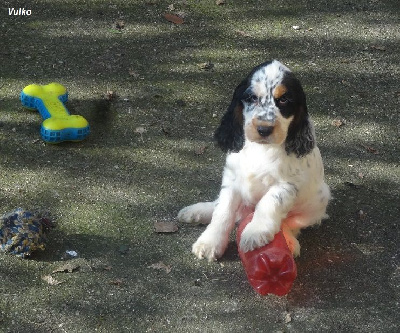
58, 124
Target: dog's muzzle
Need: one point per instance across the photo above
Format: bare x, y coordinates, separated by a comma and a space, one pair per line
264, 128
265, 131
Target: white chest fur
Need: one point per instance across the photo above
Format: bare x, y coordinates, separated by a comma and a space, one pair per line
253, 170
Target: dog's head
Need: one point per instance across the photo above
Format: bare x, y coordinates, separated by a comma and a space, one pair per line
269, 107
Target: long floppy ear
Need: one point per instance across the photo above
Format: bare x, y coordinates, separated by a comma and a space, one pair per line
229, 134
300, 139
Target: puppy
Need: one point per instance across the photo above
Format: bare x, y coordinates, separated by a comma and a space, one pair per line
273, 166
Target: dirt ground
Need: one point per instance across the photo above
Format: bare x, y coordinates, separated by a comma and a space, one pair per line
153, 92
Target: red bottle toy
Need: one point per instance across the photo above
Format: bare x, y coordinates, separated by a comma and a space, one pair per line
270, 269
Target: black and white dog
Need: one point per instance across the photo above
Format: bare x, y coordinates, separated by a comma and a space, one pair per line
273, 166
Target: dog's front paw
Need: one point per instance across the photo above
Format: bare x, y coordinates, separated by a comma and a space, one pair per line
256, 235
209, 246
199, 213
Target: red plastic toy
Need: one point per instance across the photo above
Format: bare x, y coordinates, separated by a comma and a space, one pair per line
270, 269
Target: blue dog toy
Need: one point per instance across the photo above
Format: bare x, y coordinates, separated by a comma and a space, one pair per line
58, 124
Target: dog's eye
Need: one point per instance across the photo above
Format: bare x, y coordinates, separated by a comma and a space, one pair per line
282, 101
249, 96
251, 99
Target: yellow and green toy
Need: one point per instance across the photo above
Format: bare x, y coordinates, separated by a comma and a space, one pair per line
58, 125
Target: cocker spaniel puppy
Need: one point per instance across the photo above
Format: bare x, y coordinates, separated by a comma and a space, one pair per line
273, 166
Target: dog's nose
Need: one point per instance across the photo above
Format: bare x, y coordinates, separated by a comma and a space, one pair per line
265, 130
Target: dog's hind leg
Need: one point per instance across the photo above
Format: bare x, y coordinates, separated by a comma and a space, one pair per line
199, 213
291, 239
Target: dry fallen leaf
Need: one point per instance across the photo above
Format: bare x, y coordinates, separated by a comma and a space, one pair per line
165, 130
120, 24
371, 150
200, 150
69, 267
288, 318
369, 249
160, 266
378, 47
50, 280
116, 282
361, 214
140, 130
110, 95
165, 227
173, 18
338, 122
243, 33
133, 73
352, 185
206, 66
220, 2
